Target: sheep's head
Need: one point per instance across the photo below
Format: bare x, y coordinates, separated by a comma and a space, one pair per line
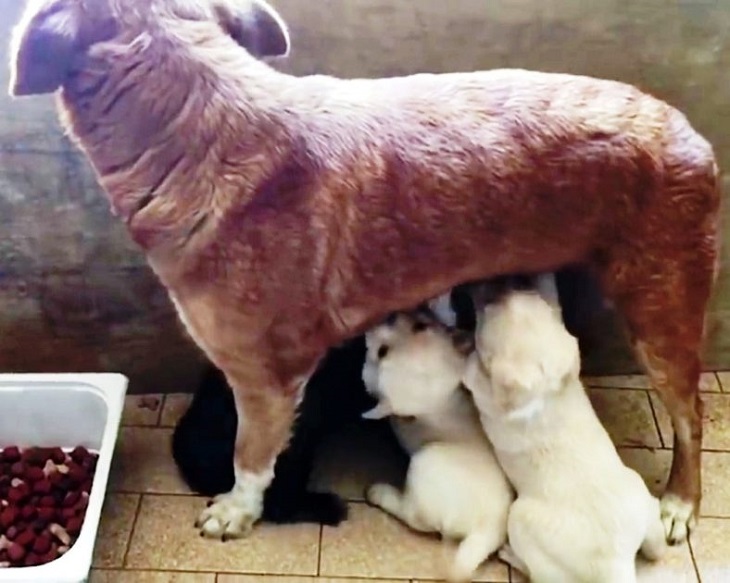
54, 35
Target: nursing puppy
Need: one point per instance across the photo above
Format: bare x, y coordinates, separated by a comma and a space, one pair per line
580, 514
454, 484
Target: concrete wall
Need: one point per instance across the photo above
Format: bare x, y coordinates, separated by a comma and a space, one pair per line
74, 292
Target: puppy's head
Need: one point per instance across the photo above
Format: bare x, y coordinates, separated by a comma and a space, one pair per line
523, 355
53, 36
413, 364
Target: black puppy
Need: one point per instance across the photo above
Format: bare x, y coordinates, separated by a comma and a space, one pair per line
203, 441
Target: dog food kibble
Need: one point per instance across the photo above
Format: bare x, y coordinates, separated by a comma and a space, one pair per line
44, 493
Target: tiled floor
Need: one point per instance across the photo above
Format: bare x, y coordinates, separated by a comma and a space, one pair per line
147, 535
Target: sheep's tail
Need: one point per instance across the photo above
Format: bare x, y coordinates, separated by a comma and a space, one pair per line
476, 548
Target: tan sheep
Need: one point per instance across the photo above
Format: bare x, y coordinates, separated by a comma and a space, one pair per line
285, 214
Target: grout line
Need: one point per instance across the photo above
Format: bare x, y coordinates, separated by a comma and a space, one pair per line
163, 403
319, 550
131, 531
694, 560
714, 517
656, 419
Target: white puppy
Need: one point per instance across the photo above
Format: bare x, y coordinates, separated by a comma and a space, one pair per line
580, 514
454, 485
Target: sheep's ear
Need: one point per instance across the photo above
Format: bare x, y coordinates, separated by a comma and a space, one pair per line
42, 48
257, 27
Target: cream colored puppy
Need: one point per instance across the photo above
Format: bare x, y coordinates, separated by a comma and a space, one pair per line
580, 514
454, 484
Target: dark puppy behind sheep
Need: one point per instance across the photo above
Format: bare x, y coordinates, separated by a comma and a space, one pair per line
203, 441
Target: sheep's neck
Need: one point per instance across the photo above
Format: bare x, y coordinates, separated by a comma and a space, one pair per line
164, 131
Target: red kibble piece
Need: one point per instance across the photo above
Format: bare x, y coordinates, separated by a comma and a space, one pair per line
28, 512
11, 454
33, 456
42, 545
86, 486
51, 555
79, 454
42, 487
32, 560
67, 514
73, 526
58, 456
17, 469
8, 517
56, 479
46, 513
33, 474
76, 473
11, 533
47, 501
25, 538
18, 494
71, 499
16, 552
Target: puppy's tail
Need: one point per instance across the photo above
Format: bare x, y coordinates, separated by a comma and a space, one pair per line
473, 551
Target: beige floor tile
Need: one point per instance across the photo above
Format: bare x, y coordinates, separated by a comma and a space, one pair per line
174, 408
724, 378
716, 421
164, 538
708, 383
711, 547
143, 463
115, 528
675, 566
652, 465
117, 576
142, 410
352, 460
716, 487
627, 416
288, 579
372, 544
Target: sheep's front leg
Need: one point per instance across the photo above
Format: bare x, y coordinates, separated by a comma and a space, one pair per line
265, 416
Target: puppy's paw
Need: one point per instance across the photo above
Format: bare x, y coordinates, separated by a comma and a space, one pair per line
311, 507
228, 516
381, 495
678, 517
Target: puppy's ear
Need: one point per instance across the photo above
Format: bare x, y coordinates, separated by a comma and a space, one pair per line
256, 26
42, 47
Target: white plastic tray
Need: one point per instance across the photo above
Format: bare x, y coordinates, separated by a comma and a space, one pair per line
64, 410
